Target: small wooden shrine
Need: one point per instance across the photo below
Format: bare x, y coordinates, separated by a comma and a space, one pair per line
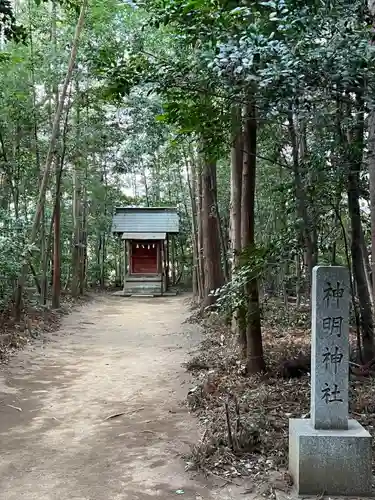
146, 233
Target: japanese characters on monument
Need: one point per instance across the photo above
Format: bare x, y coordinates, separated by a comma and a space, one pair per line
330, 347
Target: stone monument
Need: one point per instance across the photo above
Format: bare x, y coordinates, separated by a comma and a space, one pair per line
329, 453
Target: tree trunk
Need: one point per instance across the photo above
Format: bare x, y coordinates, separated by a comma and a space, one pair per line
236, 187
43, 244
371, 167
7, 183
98, 274
211, 240
298, 280
146, 186
239, 314
366, 264
223, 245
59, 165
155, 172
358, 267
104, 251
355, 163
102, 262
76, 250
197, 225
305, 231
56, 277
254, 347
202, 270
191, 178
77, 206
83, 240
56, 283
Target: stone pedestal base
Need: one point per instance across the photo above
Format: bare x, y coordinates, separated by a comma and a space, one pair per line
330, 462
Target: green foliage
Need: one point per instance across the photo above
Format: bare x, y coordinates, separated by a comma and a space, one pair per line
11, 254
69, 4
253, 261
10, 29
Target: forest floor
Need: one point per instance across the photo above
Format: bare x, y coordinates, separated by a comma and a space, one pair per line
94, 411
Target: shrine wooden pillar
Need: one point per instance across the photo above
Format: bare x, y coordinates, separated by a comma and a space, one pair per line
167, 281
162, 267
125, 260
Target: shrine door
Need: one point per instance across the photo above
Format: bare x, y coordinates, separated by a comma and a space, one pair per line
144, 257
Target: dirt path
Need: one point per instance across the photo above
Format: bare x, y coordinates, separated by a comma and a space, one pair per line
113, 355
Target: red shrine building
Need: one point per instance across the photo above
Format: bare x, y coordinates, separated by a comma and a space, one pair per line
146, 233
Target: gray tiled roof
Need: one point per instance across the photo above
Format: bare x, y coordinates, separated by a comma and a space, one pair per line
145, 220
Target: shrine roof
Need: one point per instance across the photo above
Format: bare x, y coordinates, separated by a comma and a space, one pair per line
133, 220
